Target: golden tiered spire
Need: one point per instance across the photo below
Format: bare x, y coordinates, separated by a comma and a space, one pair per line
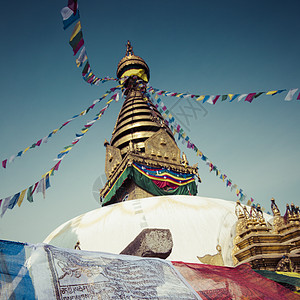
138, 118
140, 136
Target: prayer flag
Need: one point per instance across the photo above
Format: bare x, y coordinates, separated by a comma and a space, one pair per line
20, 153
250, 96
35, 186
76, 30
206, 97
45, 140
21, 197
38, 143
200, 98
86, 68
69, 17
258, 94
73, 5
290, 94
29, 194
278, 92
81, 58
13, 201
79, 45
26, 149
4, 162
241, 97
57, 165
298, 98
39, 187
5, 205
12, 158
210, 99
224, 97
216, 99
241, 282
47, 181
234, 97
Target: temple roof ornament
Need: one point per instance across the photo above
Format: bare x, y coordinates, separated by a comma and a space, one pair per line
131, 64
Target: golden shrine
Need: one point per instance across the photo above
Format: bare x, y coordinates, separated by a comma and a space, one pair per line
273, 246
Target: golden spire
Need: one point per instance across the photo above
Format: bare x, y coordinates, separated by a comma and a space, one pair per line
129, 50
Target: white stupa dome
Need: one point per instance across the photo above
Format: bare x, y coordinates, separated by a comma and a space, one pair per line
197, 225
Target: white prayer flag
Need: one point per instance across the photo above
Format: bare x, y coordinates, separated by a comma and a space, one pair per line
241, 97
290, 94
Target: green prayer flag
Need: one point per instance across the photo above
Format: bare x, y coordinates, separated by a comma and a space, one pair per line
258, 94
224, 97
29, 194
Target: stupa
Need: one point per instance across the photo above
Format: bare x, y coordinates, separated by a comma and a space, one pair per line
149, 205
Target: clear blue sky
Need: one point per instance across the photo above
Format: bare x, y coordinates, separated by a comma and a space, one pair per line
201, 47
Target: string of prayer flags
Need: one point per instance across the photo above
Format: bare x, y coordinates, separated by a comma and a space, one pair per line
17, 199
45, 139
61, 155
44, 183
212, 99
185, 139
70, 15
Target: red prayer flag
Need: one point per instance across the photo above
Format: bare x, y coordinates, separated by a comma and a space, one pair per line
216, 282
35, 186
298, 98
79, 45
57, 166
72, 4
38, 143
4, 162
250, 97
216, 99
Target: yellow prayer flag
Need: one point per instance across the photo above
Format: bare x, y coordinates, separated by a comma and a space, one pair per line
230, 96
249, 202
26, 150
156, 96
21, 197
237, 191
109, 101
170, 116
271, 92
77, 28
85, 130
68, 149
178, 95
82, 113
184, 135
55, 130
200, 98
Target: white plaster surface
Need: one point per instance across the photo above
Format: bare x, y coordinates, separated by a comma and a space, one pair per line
197, 225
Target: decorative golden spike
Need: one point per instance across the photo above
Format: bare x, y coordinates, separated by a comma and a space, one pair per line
129, 50
274, 207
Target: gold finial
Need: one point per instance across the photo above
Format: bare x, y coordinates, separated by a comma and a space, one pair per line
274, 207
129, 50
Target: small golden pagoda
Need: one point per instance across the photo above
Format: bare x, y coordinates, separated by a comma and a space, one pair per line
142, 158
273, 246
